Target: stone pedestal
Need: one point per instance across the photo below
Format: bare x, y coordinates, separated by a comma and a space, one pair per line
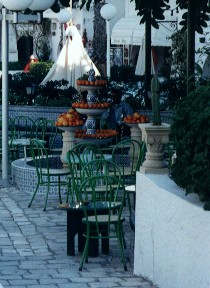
68, 144
155, 138
68, 141
135, 135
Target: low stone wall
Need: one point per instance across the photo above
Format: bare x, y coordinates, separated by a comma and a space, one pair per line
52, 112
171, 235
35, 112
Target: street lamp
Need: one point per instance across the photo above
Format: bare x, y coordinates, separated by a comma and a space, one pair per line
64, 16
5, 17
30, 90
108, 11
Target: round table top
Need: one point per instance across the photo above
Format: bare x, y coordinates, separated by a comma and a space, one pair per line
89, 158
25, 141
101, 205
131, 188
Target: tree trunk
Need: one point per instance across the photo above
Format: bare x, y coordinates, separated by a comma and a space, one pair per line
190, 45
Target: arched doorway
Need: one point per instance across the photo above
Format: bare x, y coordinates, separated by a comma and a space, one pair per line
25, 48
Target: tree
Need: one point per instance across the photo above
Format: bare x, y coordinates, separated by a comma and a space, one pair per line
99, 38
41, 40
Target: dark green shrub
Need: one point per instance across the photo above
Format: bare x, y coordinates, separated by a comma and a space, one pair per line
17, 88
39, 70
14, 65
191, 129
55, 94
123, 73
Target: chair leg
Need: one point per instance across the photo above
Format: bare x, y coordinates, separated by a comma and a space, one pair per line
48, 188
37, 186
119, 231
129, 202
68, 191
59, 189
86, 249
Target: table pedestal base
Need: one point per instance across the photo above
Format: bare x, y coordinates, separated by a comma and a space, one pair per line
68, 144
75, 226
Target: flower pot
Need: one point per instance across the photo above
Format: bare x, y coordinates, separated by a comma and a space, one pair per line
155, 137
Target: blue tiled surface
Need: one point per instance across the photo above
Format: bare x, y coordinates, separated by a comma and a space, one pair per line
50, 113
25, 179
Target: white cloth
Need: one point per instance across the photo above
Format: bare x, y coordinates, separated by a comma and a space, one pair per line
140, 66
73, 61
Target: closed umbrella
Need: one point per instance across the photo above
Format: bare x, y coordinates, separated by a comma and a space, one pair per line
73, 61
140, 66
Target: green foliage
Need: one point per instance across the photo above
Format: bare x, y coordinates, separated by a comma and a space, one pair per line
12, 66
41, 43
136, 102
55, 94
55, 7
99, 38
152, 10
155, 101
39, 70
201, 14
172, 90
192, 139
123, 73
17, 88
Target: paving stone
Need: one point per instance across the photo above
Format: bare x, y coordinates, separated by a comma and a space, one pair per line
33, 250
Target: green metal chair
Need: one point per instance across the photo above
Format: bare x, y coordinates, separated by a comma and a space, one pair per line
105, 220
23, 127
46, 176
80, 147
129, 155
14, 152
75, 166
90, 153
46, 130
98, 167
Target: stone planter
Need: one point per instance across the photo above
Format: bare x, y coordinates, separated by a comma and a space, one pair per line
155, 138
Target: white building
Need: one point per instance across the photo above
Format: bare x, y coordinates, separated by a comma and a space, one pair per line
126, 34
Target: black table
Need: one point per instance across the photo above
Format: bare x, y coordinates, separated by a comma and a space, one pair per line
74, 226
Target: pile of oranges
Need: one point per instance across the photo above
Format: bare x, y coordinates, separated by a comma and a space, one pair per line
100, 134
91, 83
70, 118
136, 118
84, 105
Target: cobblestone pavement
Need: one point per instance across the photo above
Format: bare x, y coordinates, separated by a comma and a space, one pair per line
33, 249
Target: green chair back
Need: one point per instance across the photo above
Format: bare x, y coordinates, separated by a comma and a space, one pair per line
102, 167
79, 147
45, 129
103, 219
127, 154
46, 175
23, 127
75, 166
90, 153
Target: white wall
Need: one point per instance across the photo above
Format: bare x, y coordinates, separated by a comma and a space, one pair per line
172, 235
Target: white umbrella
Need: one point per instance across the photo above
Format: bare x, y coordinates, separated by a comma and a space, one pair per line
140, 66
73, 61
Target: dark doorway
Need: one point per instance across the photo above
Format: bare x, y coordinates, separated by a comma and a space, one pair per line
25, 48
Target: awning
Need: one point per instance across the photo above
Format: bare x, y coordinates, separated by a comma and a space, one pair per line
122, 32
128, 31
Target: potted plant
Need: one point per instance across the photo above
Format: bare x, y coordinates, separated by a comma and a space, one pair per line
155, 135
